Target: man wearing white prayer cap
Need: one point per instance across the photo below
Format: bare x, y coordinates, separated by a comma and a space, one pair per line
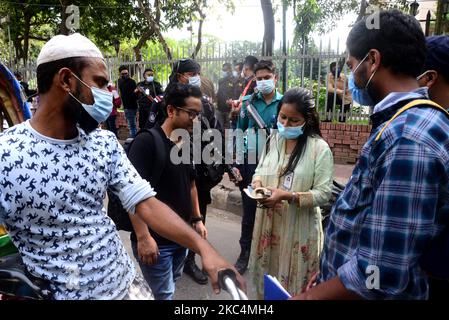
59, 165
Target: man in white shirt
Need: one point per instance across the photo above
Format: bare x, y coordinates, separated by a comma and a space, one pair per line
55, 170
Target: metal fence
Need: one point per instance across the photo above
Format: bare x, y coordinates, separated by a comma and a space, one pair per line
304, 68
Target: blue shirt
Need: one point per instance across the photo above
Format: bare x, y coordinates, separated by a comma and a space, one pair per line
268, 112
51, 201
395, 203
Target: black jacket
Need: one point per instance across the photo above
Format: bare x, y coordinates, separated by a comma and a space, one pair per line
126, 88
154, 89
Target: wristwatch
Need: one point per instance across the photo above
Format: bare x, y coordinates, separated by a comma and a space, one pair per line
196, 219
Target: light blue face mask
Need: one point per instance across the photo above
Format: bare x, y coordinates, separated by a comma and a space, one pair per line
150, 78
265, 86
195, 81
360, 95
290, 133
102, 107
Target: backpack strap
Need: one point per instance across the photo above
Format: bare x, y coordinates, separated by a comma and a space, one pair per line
161, 159
160, 150
414, 103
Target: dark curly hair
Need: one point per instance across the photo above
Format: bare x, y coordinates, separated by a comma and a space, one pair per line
400, 40
177, 94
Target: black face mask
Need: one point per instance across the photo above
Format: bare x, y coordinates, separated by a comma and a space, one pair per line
125, 77
75, 111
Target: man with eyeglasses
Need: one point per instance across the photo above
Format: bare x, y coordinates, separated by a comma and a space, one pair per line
160, 259
187, 71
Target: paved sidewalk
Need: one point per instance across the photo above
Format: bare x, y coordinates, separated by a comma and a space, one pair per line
226, 196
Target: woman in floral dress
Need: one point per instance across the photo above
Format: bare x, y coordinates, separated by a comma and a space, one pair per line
297, 166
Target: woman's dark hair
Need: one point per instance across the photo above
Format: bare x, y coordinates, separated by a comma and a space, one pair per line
304, 103
177, 94
399, 39
46, 71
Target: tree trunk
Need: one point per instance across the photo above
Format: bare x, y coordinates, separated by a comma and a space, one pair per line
362, 10
63, 27
26, 38
200, 41
268, 18
143, 39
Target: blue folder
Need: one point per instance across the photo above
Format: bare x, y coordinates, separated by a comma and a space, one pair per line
273, 290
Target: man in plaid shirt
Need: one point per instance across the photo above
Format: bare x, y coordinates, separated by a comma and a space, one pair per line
397, 201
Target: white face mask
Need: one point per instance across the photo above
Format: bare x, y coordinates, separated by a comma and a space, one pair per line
149, 78
266, 86
195, 81
235, 74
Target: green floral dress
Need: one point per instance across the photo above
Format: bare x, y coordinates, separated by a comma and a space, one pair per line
288, 239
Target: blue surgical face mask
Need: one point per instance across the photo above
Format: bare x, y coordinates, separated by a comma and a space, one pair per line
102, 107
290, 133
195, 81
360, 95
265, 86
235, 74
150, 79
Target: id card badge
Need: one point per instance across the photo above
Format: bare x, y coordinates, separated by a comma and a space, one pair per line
288, 181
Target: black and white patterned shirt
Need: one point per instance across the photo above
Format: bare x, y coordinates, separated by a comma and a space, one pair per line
51, 201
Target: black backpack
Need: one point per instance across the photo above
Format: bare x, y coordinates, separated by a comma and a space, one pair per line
115, 209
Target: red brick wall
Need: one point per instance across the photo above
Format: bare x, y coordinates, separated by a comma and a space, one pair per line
345, 140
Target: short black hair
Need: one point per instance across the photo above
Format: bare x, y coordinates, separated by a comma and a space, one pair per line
333, 64
46, 71
240, 65
148, 69
226, 65
123, 67
250, 62
177, 94
400, 40
265, 64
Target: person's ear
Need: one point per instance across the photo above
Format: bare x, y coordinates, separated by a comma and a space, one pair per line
65, 80
432, 78
374, 57
170, 111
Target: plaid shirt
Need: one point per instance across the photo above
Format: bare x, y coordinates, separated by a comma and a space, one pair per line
393, 205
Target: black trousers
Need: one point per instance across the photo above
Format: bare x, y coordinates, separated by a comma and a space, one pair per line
249, 207
338, 106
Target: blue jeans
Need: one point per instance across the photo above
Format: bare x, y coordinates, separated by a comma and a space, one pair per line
130, 115
162, 276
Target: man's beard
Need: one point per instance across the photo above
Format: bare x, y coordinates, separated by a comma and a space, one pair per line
74, 110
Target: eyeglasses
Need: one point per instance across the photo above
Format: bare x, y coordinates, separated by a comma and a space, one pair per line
192, 113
